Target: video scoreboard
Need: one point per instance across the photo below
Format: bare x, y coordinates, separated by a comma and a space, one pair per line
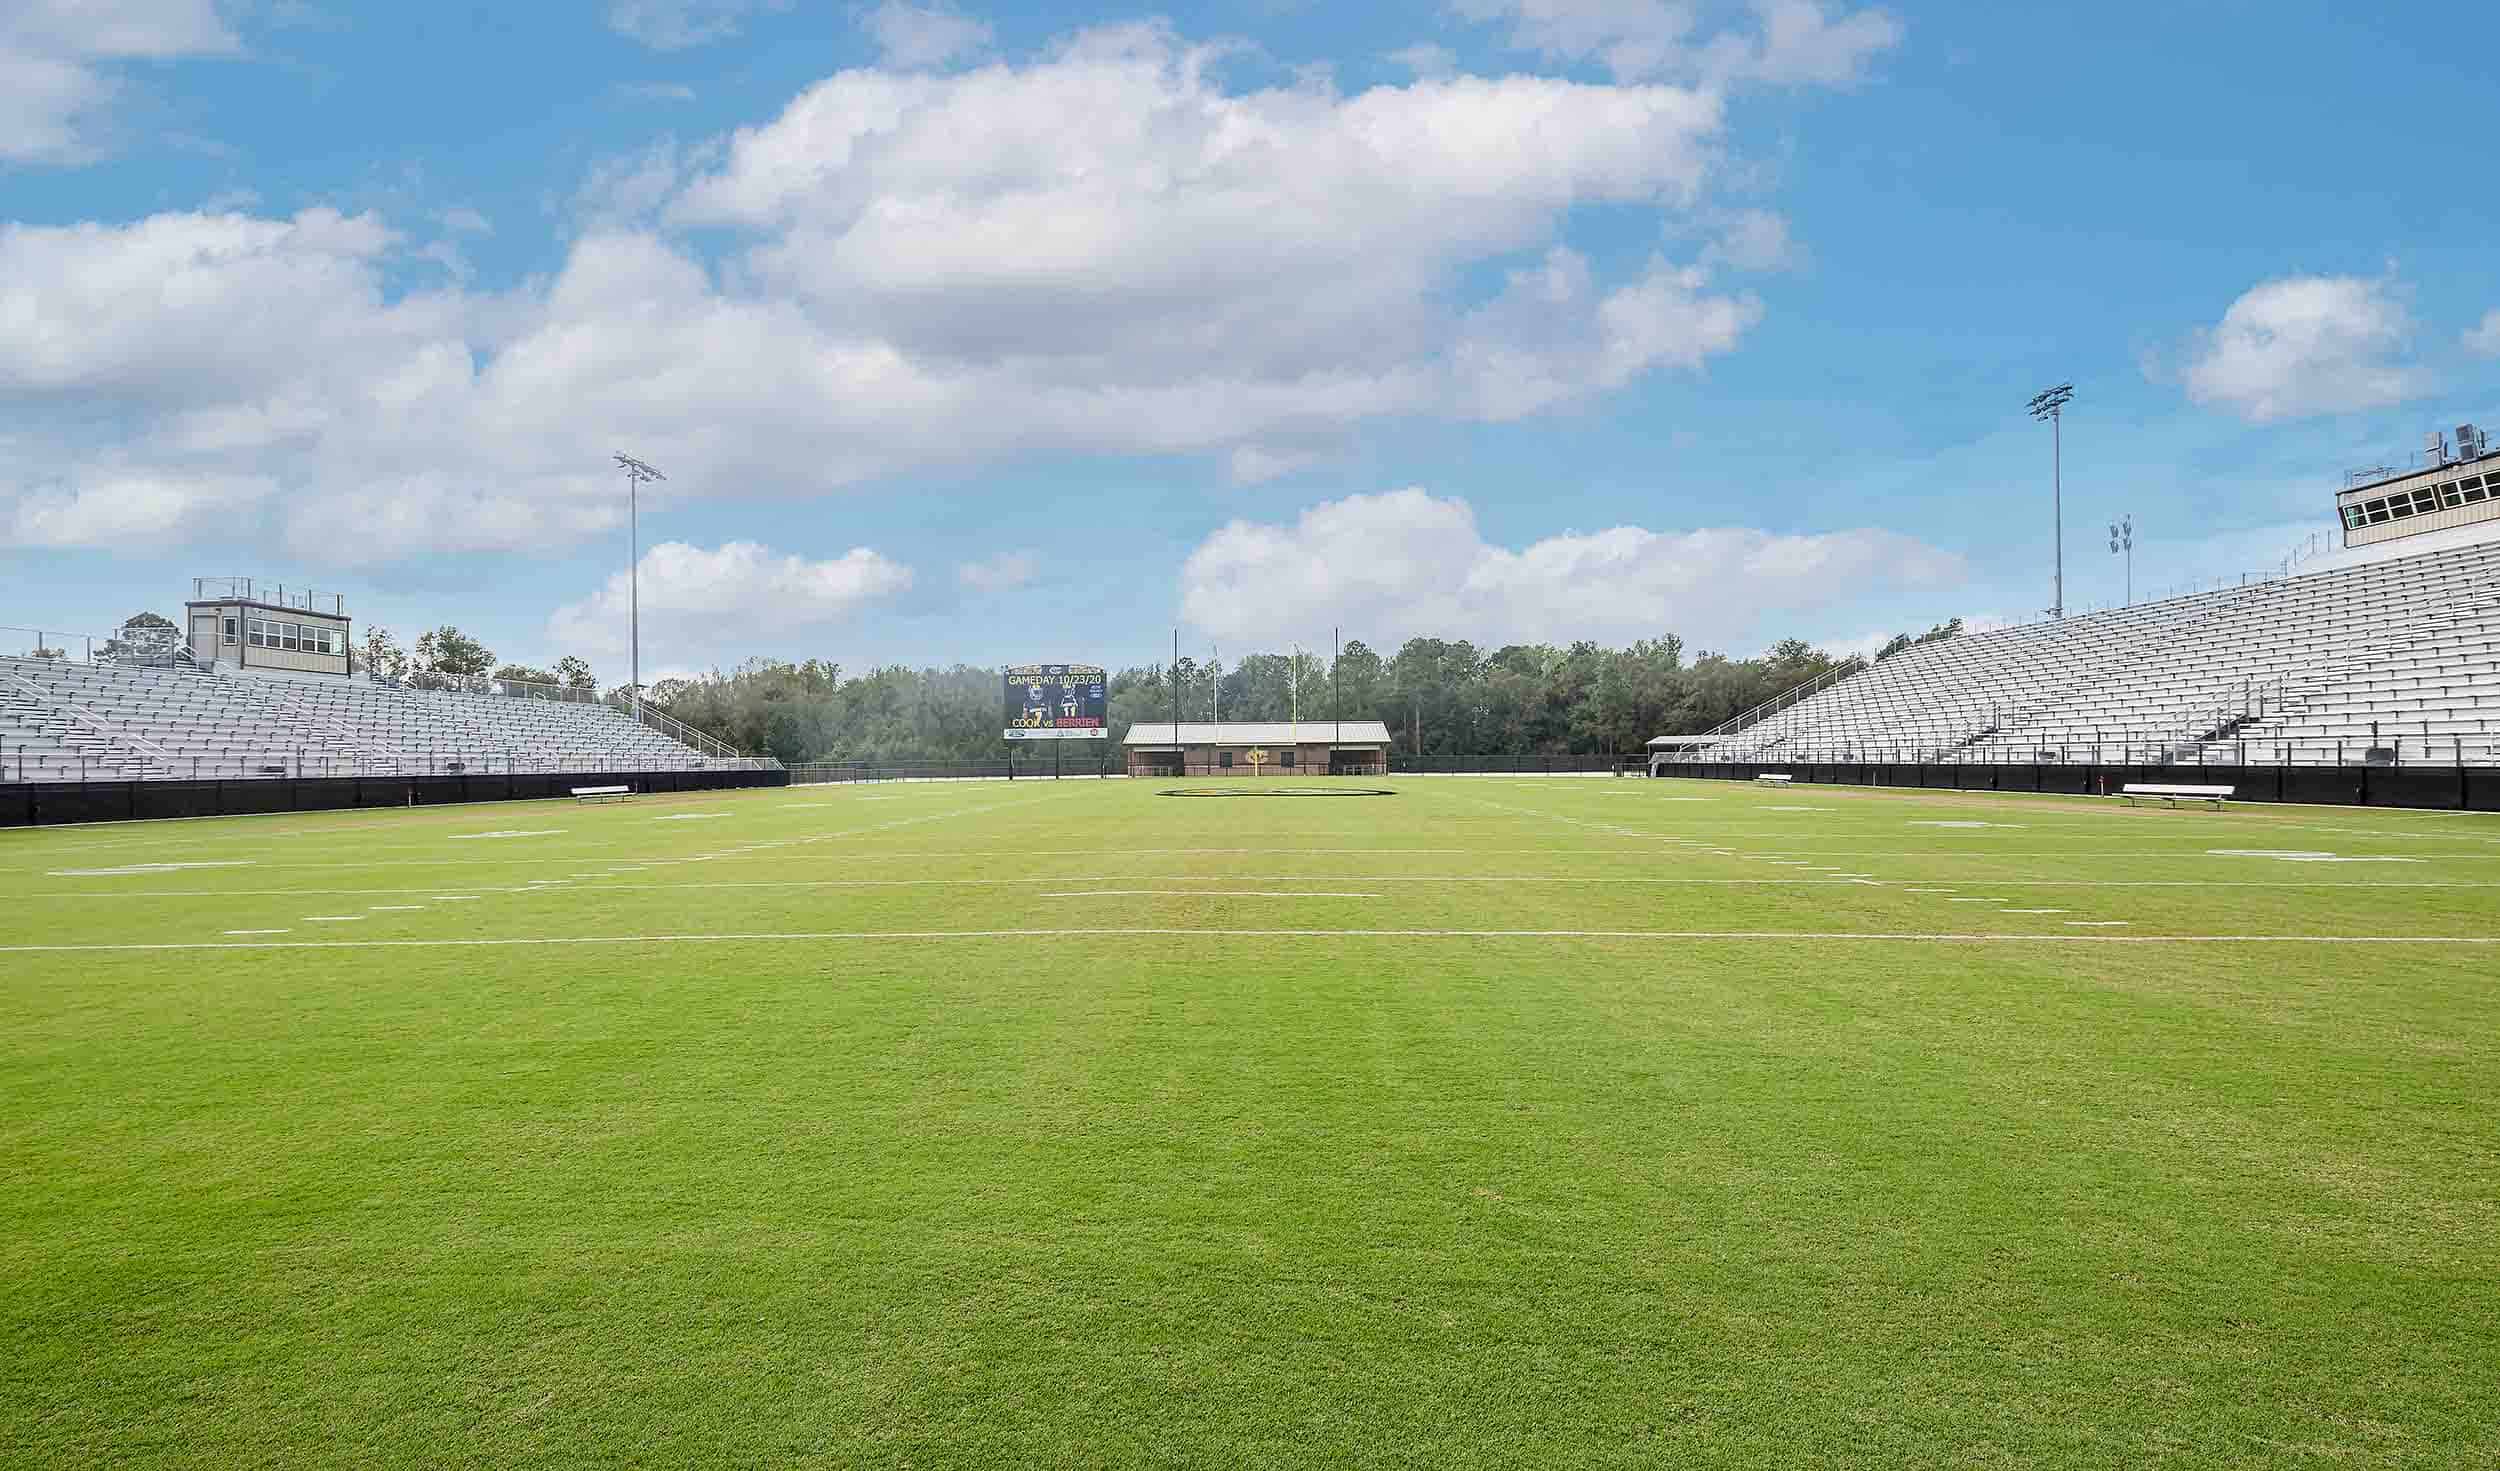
1055, 702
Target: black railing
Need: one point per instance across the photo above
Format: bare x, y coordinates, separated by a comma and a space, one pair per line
2453, 788
46, 803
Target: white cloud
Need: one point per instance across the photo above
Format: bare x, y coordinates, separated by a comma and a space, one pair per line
180, 308
1796, 42
1754, 240
1549, 337
914, 37
1426, 59
1408, 562
59, 77
111, 506
2304, 345
1002, 573
1103, 251
674, 25
628, 189
1145, 255
656, 91
694, 598
1804, 42
2483, 340
1256, 464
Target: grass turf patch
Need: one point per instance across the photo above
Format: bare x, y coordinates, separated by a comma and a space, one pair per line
1252, 1199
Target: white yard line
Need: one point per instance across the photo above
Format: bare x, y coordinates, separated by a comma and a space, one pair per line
140, 869
1203, 893
260, 932
913, 855
1768, 881
1176, 932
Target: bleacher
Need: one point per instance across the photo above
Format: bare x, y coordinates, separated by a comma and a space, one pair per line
2391, 660
62, 720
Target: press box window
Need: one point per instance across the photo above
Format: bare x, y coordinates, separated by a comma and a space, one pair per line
229, 630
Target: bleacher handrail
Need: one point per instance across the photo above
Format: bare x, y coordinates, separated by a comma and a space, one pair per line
147, 750
1853, 664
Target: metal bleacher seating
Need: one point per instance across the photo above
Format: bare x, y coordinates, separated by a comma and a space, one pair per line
67, 721
2396, 659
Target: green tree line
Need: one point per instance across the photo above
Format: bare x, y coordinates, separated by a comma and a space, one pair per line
1437, 696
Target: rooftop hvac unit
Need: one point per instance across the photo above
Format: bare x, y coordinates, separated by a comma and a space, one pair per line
2435, 447
2471, 442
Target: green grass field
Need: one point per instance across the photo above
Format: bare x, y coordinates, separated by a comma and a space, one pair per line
1535, 1122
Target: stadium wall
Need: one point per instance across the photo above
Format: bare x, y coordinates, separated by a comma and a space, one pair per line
2448, 788
44, 804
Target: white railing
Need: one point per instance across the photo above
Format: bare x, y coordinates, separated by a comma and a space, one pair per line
136, 748
618, 699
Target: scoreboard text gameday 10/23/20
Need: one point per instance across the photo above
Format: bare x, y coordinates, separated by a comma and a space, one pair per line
1055, 702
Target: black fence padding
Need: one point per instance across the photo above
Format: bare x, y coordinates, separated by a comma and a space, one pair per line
1506, 765
27, 804
2468, 788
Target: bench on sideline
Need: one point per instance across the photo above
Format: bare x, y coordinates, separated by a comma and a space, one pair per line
1775, 778
2136, 791
603, 794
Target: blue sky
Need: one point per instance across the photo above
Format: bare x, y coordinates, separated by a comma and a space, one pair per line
986, 333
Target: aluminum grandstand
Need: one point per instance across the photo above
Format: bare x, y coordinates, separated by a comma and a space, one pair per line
166, 717
2392, 661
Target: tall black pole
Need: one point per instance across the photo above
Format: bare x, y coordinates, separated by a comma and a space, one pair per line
1176, 701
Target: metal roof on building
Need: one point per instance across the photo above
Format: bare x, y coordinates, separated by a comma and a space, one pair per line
1257, 733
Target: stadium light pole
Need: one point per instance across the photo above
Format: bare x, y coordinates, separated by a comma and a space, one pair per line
1293, 693
636, 472
2050, 404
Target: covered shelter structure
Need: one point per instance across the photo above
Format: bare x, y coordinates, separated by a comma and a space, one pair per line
1257, 748
1665, 749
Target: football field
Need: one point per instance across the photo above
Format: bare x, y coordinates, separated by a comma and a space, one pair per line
1413, 1121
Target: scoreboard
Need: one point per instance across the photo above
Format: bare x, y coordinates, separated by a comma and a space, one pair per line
1055, 702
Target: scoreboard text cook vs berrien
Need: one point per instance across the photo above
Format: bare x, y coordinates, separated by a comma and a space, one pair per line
1055, 702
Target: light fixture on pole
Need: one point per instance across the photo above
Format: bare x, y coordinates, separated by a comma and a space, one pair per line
636, 472
2122, 539
2050, 404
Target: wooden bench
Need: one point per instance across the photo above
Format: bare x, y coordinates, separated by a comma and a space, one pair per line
2136, 791
603, 794
1775, 778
